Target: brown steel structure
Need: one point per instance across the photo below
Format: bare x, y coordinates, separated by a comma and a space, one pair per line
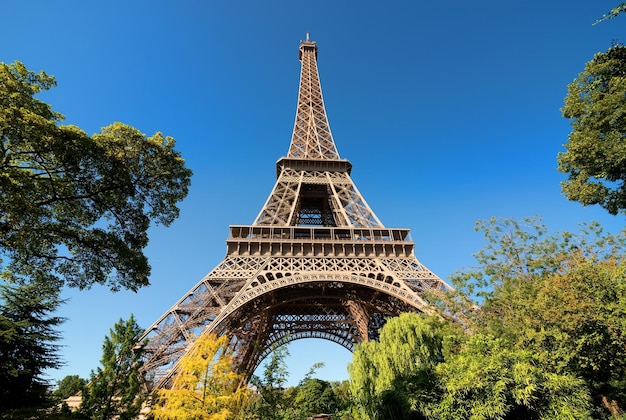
316, 262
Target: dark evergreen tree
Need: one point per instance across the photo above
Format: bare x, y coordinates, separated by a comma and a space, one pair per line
27, 345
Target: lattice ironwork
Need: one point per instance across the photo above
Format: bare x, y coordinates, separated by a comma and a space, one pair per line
311, 137
315, 263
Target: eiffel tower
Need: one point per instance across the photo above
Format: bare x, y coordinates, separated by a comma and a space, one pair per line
315, 263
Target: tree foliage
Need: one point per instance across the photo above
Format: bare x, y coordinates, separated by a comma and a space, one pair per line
206, 385
613, 13
28, 346
310, 397
73, 207
490, 379
546, 338
423, 368
395, 377
595, 159
561, 297
315, 396
115, 388
69, 386
343, 399
273, 403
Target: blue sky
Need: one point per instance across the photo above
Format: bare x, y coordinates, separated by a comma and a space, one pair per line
448, 111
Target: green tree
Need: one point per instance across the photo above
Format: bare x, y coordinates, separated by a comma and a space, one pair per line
395, 377
315, 396
613, 13
115, 388
562, 297
595, 159
206, 386
76, 208
491, 379
344, 400
69, 386
273, 402
28, 346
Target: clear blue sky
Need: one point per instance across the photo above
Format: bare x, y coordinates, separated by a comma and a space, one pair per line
449, 112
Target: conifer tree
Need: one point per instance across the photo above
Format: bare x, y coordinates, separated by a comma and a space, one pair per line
27, 344
115, 390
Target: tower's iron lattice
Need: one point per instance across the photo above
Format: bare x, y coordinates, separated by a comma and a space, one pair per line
315, 263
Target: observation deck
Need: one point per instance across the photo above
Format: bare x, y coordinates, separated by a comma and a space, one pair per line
305, 241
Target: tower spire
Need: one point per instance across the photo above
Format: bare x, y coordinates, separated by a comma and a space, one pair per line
311, 138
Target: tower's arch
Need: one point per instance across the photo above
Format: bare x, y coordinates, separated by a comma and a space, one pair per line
343, 308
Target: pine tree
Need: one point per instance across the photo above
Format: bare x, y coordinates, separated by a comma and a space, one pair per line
27, 344
115, 388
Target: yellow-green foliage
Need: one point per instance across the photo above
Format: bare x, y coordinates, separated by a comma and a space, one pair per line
206, 386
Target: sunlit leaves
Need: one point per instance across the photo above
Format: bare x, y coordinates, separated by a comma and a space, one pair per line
560, 297
595, 160
396, 375
76, 208
613, 13
546, 338
490, 379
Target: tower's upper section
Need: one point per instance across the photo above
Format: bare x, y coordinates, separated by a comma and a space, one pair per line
311, 137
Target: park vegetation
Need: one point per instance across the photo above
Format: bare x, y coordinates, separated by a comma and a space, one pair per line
595, 159
543, 337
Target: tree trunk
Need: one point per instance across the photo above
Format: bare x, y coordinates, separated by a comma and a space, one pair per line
613, 407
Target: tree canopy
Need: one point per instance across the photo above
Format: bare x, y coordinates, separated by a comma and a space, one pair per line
393, 377
315, 396
561, 297
595, 159
312, 396
543, 335
272, 403
69, 386
76, 208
